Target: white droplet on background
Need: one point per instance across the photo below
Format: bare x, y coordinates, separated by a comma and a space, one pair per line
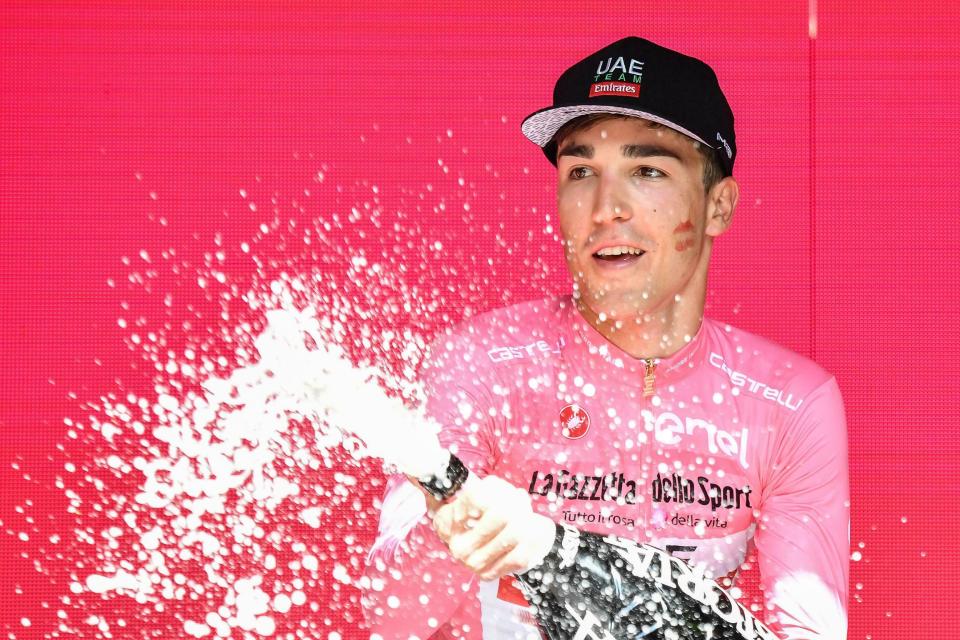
265, 626
196, 629
281, 603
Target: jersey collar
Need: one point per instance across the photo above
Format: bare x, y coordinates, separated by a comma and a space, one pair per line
585, 345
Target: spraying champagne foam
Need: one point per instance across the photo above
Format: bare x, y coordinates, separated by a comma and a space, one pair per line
221, 444
321, 384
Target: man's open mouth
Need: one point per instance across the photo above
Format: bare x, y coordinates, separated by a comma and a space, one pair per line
619, 255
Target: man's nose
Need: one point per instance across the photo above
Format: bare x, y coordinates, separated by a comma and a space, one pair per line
610, 204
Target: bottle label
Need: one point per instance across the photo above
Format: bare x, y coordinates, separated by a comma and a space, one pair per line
509, 591
569, 545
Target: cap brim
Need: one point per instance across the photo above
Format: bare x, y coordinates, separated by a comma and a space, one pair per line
541, 126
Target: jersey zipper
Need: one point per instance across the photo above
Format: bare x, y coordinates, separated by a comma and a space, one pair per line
649, 389
649, 376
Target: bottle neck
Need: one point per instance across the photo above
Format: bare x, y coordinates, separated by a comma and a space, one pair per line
444, 486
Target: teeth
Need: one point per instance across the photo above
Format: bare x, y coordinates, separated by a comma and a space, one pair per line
619, 251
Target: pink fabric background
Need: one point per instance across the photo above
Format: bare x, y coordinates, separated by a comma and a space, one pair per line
843, 247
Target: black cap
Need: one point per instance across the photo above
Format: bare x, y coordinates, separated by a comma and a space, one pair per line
635, 77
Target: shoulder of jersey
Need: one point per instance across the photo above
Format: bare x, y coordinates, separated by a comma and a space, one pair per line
760, 367
520, 331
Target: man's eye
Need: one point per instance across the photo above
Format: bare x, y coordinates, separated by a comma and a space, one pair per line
650, 172
578, 173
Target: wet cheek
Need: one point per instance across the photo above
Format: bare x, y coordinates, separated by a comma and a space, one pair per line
571, 223
569, 240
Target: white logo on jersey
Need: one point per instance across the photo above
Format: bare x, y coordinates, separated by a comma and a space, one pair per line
755, 387
669, 428
520, 352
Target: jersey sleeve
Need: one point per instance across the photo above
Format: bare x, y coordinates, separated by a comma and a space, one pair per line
413, 588
465, 396
803, 533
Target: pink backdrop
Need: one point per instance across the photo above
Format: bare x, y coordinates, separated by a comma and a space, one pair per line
138, 143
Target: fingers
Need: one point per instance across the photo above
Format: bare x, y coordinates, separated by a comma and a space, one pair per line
485, 559
488, 527
468, 508
473, 545
454, 517
444, 522
526, 545
513, 561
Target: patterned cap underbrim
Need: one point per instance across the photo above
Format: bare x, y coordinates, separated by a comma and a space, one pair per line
541, 126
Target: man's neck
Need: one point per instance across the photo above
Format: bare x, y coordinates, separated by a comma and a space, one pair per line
658, 334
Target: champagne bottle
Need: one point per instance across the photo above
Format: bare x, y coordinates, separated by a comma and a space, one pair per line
595, 587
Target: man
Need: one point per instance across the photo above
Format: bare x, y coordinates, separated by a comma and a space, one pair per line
621, 409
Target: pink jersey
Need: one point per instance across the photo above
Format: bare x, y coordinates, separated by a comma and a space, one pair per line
733, 442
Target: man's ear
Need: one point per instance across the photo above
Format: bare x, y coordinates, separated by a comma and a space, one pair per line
721, 201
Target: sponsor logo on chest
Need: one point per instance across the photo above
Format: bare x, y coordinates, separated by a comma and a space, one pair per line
676, 488
610, 487
671, 429
574, 422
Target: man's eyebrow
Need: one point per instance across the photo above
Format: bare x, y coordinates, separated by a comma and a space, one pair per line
628, 150
579, 150
648, 150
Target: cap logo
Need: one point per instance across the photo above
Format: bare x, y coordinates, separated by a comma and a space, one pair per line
610, 66
726, 145
617, 77
628, 89
574, 422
